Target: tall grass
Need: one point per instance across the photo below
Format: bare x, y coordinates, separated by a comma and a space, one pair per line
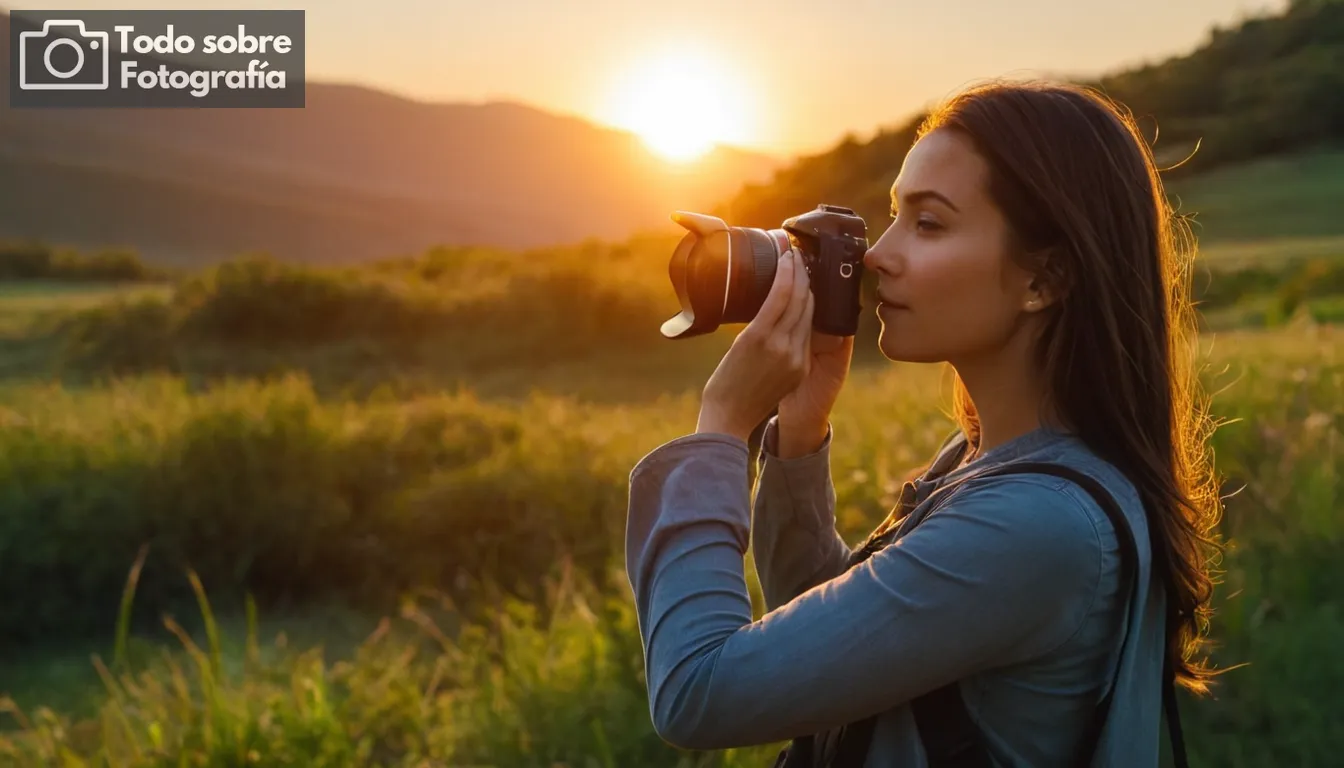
552, 682
263, 486
555, 677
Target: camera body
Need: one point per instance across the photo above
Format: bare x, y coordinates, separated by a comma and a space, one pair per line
832, 240
64, 56
722, 274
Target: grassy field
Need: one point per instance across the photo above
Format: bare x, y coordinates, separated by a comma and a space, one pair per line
1293, 196
529, 686
1272, 252
385, 506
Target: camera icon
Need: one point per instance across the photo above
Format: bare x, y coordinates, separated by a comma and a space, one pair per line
64, 56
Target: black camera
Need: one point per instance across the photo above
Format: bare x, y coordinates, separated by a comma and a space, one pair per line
722, 274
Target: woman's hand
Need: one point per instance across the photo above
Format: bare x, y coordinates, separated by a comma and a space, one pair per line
768, 360
805, 413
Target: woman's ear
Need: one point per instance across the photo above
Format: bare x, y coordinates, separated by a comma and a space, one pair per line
1040, 294
1047, 285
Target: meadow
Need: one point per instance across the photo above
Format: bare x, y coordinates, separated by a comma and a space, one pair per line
272, 515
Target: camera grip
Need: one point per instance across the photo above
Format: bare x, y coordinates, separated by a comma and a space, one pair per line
835, 280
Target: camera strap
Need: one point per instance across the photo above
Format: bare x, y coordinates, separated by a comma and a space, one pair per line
949, 736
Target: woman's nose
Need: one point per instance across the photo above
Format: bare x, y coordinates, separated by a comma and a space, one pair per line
883, 255
869, 258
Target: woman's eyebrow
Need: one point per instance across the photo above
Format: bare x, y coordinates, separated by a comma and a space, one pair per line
925, 194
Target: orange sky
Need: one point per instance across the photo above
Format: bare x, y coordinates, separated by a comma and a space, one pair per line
791, 76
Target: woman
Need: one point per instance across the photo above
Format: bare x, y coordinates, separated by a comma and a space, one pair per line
1034, 251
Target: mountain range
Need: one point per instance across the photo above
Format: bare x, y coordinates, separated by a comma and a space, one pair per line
361, 174
357, 174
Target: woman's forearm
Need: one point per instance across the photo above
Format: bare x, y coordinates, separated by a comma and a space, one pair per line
794, 542
796, 440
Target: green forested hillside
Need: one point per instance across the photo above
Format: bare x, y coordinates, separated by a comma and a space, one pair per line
1272, 86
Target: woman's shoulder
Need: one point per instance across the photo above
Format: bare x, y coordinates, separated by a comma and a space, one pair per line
1026, 541
1060, 505
1034, 512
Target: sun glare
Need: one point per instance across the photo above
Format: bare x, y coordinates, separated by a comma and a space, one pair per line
681, 104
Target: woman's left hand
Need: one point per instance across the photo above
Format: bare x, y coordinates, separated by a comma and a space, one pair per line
767, 360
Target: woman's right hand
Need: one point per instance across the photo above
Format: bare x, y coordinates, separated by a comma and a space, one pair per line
804, 413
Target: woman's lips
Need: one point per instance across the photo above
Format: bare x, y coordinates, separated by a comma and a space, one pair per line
884, 301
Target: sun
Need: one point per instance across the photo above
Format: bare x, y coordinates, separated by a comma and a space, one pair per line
681, 103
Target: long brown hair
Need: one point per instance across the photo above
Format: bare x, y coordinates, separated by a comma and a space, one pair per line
1079, 187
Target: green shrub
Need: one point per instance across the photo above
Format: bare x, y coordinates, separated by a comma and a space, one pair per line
37, 261
122, 336
536, 311
259, 299
1290, 284
260, 486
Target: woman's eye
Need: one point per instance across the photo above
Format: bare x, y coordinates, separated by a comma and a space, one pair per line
928, 225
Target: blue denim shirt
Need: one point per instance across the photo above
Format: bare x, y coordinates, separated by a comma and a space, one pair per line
1012, 588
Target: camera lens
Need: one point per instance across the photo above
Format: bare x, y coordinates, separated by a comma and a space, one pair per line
753, 259
721, 274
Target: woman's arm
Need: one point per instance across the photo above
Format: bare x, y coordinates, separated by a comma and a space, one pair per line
1004, 571
793, 540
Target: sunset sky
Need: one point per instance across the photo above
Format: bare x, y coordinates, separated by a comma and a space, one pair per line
787, 76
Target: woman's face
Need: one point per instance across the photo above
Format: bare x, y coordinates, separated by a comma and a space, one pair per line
948, 288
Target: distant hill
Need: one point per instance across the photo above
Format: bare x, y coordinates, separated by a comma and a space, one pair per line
1266, 86
1270, 85
357, 174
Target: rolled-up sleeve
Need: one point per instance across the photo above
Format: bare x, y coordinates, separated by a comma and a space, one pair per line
793, 538
1004, 570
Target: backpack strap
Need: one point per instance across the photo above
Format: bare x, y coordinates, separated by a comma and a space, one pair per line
949, 735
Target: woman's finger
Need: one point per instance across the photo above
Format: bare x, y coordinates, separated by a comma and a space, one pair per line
778, 299
797, 297
801, 333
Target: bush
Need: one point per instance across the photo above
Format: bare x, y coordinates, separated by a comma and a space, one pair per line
534, 311
258, 299
1290, 283
36, 261
122, 336
261, 487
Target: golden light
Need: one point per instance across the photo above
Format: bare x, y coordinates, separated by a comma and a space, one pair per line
681, 103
